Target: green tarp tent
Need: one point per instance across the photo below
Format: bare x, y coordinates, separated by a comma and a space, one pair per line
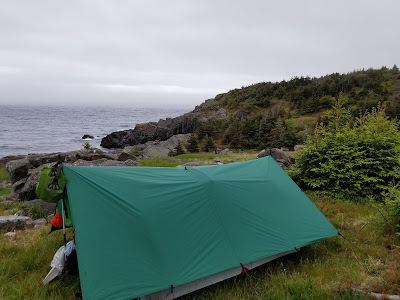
140, 230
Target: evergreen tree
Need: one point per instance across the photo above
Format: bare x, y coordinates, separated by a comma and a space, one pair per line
192, 144
177, 150
352, 160
277, 136
209, 145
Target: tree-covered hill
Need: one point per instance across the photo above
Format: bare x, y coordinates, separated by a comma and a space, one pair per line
281, 114
268, 114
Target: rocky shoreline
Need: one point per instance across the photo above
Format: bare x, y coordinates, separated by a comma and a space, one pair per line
165, 129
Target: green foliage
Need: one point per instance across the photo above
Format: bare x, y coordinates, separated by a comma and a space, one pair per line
209, 146
86, 146
254, 110
177, 150
159, 163
3, 173
35, 212
391, 204
4, 191
352, 160
9, 207
192, 144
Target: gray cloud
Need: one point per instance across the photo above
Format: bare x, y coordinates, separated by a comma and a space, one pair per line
170, 52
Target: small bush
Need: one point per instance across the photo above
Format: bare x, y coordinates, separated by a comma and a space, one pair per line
353, 160
178, 150
209, 146
86, 146
35, 212
391, 204
192, 144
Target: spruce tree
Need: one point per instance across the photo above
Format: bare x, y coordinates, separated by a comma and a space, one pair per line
209, 145
193, 145
276, 138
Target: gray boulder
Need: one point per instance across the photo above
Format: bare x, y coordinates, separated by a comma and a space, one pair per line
26, 191
158, 148
298, 147
217, 151
18, 169
284, 158
10, 235
125, 156
106, 162
39, 222
45, 207
36, 160
10, 223
263, 153
90, 154
87, 136
226, 152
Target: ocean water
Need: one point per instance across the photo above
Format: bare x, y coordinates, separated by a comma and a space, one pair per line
43, 129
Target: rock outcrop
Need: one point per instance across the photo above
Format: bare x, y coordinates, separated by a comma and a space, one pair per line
282, 157
157, 148
164, 129
10, 223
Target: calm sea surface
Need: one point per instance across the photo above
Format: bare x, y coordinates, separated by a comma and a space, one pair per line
41, 129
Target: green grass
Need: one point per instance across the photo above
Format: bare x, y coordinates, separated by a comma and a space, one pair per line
4, 191
159, 163
3, 173
25, 262
222, 157
9, 208
184, 158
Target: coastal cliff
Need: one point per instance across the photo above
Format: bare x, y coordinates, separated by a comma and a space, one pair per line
164, 129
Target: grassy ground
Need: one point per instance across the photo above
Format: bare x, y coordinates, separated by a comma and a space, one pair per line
4, 191
160, 162
25, 262
3, 173
184, 158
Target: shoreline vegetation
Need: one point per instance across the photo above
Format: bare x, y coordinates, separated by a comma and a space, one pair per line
346, 135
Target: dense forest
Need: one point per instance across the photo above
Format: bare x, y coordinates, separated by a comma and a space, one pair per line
282, 114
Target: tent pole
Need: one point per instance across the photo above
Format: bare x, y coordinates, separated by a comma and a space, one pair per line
63, 218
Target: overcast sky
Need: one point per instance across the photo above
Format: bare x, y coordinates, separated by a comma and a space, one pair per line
169, 52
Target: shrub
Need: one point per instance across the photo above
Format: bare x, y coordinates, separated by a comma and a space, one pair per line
178, 150
86, 145
209, 145
351, 160
391, 204
192, 144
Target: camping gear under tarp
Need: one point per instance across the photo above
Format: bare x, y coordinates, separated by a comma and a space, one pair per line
140, 230
51, 184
